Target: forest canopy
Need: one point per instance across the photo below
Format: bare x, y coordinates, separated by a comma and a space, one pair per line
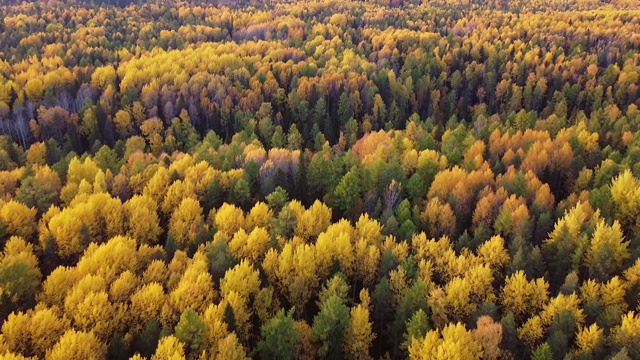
380, 179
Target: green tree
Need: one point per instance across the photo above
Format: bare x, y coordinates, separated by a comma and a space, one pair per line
106, 158
277, 199
280, 338
19, 276
330, 328
294, 139
192, 332
543, 352
277, 140
344, 109
146, 341
417, 327
348, 192
35, 193
240, 194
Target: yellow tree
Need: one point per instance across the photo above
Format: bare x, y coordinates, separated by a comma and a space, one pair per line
360, 335
625, 191
96, 314
532, 331
186, 222
243, 279
46, 328
454, 342
230, 348
494, 254
56, 286
176, 192
296, 272
229, 219
523, 297
146, 303
16, 331
313, 221
252, 246
367, 259
77, 345
195, 288
109, 260
607, 251
217, 328
18, 219
628, 334
156, 187
259, 216
67, 232
144, 224
169, 348
590, 339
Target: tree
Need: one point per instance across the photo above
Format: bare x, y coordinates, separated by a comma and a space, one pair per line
195, 288
19, 275
46, 328
34, 88
454, 342
344, 109
95, 313
523, 297
294, 139
78, 345
146, 341
37, 194
330, 328
590, 339
348, 192
186, 222
144, 223
543, 352
240, 193
628, 334
123, 123
106, 158
608, 251
360, 335
625, 191
277, 199
18, 219
169, 348
243, 279
280, 338
489, 334
417, 328
16, 331
231, 349
191, 331
220, 258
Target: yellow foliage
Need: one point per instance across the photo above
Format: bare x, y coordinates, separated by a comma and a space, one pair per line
77, 345
18, 219
589, 338
454, 342
243, 279
169, 348
522, 297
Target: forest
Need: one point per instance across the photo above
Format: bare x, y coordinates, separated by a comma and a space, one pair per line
378, 179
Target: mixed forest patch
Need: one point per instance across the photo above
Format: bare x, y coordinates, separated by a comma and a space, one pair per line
320, 179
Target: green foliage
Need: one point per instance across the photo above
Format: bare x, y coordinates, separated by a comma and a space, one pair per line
280, 338
330, 328
192, 331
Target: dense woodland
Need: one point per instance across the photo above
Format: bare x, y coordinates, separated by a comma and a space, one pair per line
320, 180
